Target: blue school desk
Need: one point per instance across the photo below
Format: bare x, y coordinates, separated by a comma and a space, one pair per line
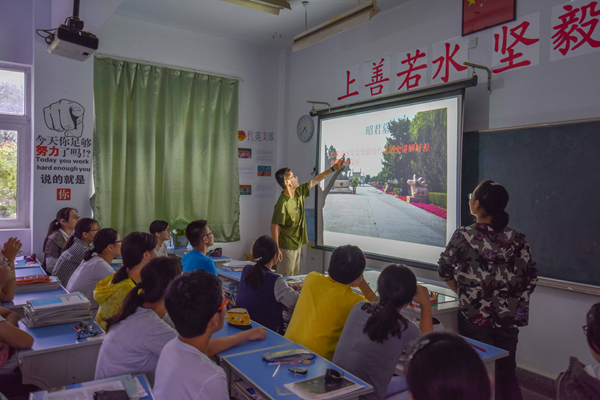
272, 340
57, 358
24, 264
21, 299
24, 271
142, 378
232, 275
254, 371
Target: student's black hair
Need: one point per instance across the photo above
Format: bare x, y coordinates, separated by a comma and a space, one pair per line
263, 251
83, 225
280, 176
347, 264
104, 238
493, 198
195, 231
133, 248
434, 373
192, 299
63, 213
155, 277
593, 328
158, 226
397, 286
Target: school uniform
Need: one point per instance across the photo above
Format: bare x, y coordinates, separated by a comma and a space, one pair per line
69, 260
195, 260
87, 275
54, 245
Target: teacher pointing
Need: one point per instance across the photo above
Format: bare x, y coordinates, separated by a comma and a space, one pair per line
288, 225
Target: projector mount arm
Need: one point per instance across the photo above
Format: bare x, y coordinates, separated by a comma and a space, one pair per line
317, 102
489, 72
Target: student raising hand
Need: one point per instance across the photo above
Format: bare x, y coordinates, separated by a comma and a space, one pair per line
422, 298
11, 249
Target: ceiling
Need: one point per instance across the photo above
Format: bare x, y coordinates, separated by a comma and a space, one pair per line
226, 20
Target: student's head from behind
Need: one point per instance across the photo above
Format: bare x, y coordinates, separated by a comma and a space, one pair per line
286, 178
137, 249
264, 250
197, 232
592, 330
347, 264
107, 242
433, 373
490, 199
195, 303
160, 229
397, 286
154, 279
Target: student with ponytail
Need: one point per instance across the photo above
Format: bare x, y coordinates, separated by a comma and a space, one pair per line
96, 264
376, 334
59, 231
137, 334
263, 292
137, 249
78, 244
489, 266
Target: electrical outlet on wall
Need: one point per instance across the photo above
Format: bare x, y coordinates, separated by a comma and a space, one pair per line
473, 42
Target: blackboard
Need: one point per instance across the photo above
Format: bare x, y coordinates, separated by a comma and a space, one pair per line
552, 174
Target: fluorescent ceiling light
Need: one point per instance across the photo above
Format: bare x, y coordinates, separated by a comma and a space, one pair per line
339, 24
269, 6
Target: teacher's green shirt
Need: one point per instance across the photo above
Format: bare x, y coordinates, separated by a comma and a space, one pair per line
289, 215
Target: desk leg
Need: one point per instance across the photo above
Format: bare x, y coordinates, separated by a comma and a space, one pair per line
491, 370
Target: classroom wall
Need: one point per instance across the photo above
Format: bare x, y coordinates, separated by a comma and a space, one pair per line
16, 34
548, 92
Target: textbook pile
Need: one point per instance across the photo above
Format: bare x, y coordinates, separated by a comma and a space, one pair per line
66, 308
36, 283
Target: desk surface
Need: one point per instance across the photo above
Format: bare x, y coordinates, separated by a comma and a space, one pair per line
490, 354
53, 337
233, 275
22, 298
272, 340
259, 374
143, 381
24, 271
24, 264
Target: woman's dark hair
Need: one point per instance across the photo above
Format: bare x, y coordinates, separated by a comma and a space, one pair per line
104, 238
133, 248
397, 286
158, 226
493, 198
191, 300
63, 213
155, 277
83, 225
347, 264
593, 328
263, 251
448, 380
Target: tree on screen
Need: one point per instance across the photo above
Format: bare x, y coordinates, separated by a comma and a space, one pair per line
431, 127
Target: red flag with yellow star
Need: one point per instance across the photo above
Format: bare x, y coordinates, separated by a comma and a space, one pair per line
483, 14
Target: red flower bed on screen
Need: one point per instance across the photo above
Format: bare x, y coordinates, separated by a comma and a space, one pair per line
439, 211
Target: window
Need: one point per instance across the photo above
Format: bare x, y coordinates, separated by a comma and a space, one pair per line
15, 148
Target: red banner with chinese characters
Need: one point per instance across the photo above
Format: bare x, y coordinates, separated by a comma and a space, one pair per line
482, 14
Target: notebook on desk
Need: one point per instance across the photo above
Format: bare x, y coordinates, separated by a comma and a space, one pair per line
317, 388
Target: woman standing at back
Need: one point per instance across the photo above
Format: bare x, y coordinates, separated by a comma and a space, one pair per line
489, 266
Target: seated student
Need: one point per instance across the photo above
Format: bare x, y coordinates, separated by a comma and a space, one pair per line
579, 381
11, 338
77, 245
136, 250
433, 373
8, 283
59, 231
197, 306
261, 291
96, 264
326, 301
376, 334
201, 238
160, 229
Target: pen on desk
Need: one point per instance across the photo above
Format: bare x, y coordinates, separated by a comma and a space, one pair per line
285, 363
277, 370
478, 348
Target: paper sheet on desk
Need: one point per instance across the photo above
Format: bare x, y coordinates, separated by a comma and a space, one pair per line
333, 395
83, 393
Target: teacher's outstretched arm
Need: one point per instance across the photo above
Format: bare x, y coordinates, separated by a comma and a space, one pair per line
339, 164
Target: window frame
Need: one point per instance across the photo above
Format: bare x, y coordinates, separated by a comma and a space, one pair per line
21, 124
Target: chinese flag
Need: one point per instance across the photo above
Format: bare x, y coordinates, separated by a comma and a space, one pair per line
482, 14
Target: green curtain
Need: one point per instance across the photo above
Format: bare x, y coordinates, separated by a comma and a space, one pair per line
165, 147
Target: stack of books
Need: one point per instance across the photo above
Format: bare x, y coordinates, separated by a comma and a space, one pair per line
66, 308
36, 283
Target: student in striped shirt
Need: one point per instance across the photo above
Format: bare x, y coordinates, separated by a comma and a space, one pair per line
77, 245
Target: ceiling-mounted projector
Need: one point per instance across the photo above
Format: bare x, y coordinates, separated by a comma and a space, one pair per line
70, 40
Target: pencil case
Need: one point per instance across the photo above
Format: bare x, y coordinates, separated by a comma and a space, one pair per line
26, 280
239, 318
288, 355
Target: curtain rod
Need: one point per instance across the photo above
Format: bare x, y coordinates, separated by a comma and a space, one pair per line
168, 66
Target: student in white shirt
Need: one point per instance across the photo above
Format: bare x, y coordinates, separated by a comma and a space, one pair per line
197, 306
59, 231
96, 264
160, 229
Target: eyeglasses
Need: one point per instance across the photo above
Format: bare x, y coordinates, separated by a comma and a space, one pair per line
292, 177
118, 241
333, 377
585, 329
208, 234
470, 196
225, 302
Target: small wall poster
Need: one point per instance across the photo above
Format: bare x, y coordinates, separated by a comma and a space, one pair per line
264, 170
245, 190
244, 152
